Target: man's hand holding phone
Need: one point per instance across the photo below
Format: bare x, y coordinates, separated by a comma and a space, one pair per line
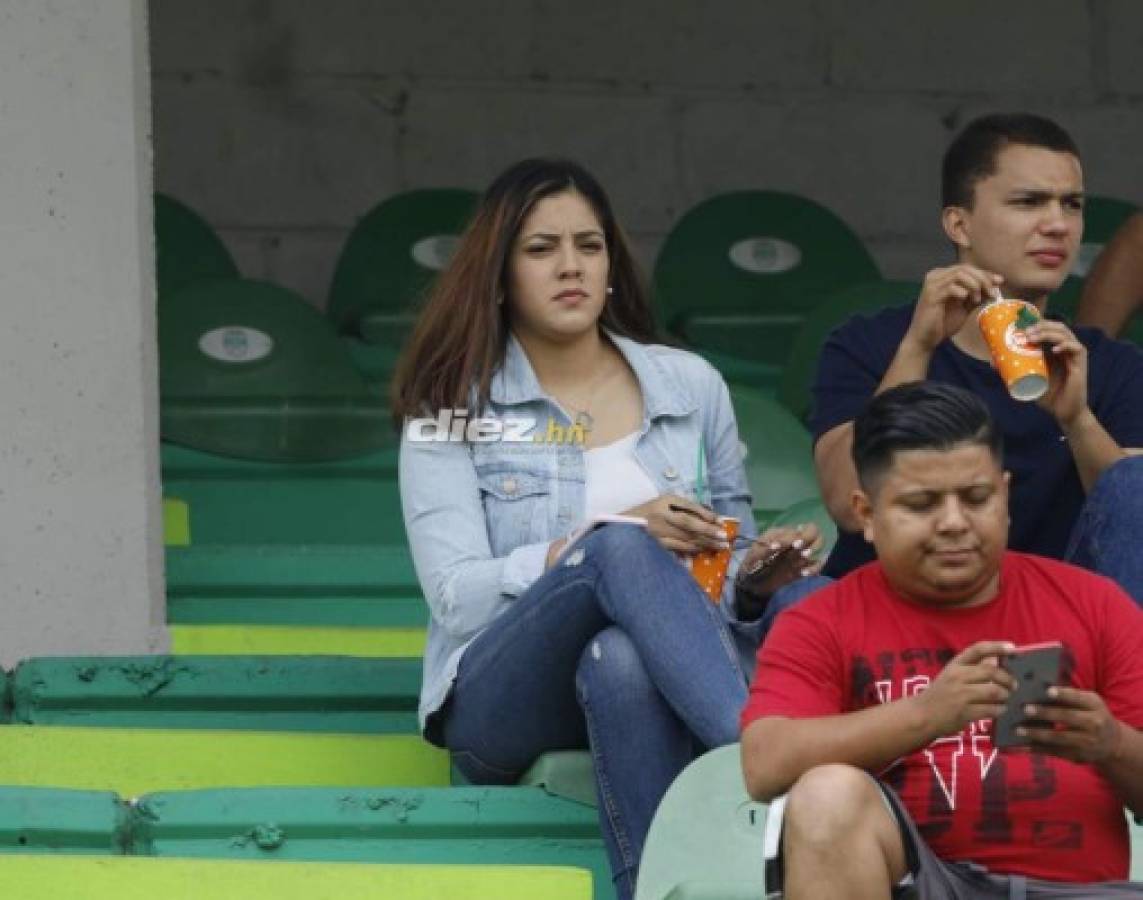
1074, 725
971, 686
1046, 716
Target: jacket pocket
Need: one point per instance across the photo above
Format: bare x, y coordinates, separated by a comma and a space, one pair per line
515, 506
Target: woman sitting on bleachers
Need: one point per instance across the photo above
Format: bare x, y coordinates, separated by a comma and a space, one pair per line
533, 400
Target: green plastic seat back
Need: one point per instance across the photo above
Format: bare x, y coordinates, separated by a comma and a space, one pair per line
812, 509
777, 454
1102, 217
739, 271
186, 248
249, 369
706, 837
835, 309
391, 257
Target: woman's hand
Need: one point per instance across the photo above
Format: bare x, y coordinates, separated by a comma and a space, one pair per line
681, 525
779, 556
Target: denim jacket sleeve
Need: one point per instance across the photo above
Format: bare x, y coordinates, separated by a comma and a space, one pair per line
465, 586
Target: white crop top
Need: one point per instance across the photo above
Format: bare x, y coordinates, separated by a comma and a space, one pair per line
615, 481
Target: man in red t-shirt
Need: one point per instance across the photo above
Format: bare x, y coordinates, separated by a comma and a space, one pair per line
873, 700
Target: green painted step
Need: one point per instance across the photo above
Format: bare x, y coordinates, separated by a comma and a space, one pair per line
326, 585
126, 878
133, 762
51, 820
498, 825
324, 694
237, 501
214, 640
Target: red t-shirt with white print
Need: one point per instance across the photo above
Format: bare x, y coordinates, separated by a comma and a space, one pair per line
858, 643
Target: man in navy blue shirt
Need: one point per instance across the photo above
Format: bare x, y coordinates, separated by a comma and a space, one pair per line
1012, 197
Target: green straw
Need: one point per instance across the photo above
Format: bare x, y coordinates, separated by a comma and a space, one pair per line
700, 470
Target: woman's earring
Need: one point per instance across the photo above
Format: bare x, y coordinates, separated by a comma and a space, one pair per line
610, 290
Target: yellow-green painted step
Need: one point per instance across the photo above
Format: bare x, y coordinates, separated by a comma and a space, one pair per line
139, 878
275, 640
133, 762
176, 522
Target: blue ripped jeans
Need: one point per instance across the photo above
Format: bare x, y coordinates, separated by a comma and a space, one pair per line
615, 648
1108, 535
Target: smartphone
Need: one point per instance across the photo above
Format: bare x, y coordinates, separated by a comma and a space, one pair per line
1036, 667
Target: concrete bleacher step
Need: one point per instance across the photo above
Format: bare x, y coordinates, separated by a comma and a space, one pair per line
266, 584
136, 761
296, 693
127, 878
464, 825
52, 820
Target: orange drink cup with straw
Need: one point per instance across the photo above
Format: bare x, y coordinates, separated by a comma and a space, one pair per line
1019, 362
709, 566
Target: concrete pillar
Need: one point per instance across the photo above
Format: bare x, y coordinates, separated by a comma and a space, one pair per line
80, 521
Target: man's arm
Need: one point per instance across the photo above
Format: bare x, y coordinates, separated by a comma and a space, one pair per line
1124, 768
776, 751
947, 298
1113, 292
1092, 447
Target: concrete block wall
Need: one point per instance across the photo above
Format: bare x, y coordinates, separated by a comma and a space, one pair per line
282, 121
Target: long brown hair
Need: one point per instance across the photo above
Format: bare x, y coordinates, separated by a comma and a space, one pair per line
461, 334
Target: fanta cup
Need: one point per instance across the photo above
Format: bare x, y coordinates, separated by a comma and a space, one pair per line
709, 567
1019, 362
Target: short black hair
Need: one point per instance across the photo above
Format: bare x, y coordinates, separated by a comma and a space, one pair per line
919, 415
972, 154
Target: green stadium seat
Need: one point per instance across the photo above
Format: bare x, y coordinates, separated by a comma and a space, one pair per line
187, 249
250, 370
740, 271
391, 257
1102, 217
375, 362
51, 820
125, 878
564, 773
456, 826
812, 509
776, 447
705, 840
136, 761
321, 694
832, 311
1136, 849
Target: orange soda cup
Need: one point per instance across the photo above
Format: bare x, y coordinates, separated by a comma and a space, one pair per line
1019, 362
709, 566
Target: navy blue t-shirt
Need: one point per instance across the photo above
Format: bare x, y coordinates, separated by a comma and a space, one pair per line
1046, 492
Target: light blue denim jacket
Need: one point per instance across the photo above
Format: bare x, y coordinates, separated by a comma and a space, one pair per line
480, 516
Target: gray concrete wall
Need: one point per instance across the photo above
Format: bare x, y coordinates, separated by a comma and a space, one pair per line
80, 529
283, 120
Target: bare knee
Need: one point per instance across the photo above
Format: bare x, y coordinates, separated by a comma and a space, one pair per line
831, 806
